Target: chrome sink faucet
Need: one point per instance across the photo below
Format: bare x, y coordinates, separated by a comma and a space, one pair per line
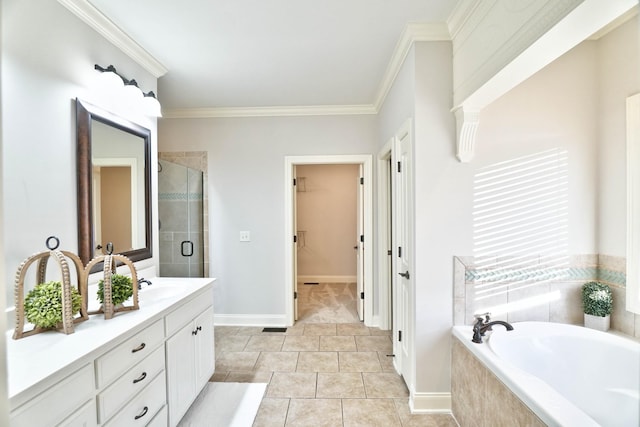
483, 325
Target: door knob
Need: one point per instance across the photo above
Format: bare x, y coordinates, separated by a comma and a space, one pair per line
405, 274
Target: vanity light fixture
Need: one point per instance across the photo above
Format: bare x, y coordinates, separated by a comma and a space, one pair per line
148, 100
152, 105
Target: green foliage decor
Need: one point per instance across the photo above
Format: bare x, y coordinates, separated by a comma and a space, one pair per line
121, 289
597, 299
43, 304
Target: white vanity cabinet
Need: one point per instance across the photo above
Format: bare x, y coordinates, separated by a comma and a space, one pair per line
190, 355
141, 368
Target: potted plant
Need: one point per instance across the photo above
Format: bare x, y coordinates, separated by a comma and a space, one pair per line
121, 289
43, 304
597, 303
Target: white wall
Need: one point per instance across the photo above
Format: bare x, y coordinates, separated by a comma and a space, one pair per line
618, 69
441, 214
327, 212
399, 105
246, 192
4, 395
48, 56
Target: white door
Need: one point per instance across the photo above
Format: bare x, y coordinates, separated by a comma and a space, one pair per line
403, 299
294, 232
360, 246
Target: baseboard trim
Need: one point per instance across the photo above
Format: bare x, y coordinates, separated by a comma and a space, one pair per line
250, 320
327, 279
430, 403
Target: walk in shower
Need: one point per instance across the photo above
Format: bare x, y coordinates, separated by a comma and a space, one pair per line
180, 211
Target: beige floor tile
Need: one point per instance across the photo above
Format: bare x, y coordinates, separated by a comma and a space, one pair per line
374, 343
337, 344
272, 413
248, 377
317, 361
231, 342
386, 361
249, 330
384, 384
265, 343
225, 330
218, 377
314, 413
340, 385
359, 361
300, 343
236, 360
297, 329
422, 420
378, 331
292, 385
370, 413
320, 329
277, 361
352, 329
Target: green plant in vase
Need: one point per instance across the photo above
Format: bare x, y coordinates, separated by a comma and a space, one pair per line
597, 304
597, 299
121, 289
43, 304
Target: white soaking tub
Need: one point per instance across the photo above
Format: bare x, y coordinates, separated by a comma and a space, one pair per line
567, 375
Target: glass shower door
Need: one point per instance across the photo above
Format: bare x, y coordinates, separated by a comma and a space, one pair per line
180, 212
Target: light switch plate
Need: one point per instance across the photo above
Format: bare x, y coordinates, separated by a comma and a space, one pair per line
245, 236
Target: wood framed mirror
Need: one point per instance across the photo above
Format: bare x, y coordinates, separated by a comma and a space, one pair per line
114, 185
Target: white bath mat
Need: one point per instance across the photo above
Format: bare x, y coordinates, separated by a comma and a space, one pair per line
225, 404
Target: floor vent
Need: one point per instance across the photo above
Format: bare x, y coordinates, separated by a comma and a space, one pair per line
274, 330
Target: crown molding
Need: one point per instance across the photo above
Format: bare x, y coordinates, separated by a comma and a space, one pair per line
90, 15
413, 32
628, 15
288, 111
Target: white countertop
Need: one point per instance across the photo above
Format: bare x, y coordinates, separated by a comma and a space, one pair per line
52, 354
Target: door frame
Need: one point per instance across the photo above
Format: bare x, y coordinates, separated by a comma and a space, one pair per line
385, 264
289, 162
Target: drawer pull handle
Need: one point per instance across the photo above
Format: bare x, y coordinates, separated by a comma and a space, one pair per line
195, 331
142, 414
140, 378
138, 348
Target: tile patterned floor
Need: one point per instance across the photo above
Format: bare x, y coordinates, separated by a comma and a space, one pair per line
327, 303
320, 374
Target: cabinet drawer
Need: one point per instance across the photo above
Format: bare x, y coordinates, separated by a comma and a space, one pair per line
160, 420
83, 417
57, 402
185, 314
142, 408
119, 360
130, 384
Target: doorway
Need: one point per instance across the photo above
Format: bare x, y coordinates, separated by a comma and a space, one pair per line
364, 287
328, 250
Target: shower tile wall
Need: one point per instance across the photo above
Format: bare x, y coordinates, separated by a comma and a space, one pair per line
171, 199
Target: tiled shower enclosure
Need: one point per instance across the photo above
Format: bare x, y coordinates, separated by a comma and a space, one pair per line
180, 211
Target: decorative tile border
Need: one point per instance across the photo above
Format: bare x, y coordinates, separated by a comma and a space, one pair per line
180, 196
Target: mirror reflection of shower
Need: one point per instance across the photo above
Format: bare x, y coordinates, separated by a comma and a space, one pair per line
181, 220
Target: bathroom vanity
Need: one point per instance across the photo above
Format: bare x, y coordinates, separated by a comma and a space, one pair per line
141, 368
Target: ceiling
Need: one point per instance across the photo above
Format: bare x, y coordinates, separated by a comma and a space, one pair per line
276, 53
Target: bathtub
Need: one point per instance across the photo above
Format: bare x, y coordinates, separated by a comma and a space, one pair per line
567, 375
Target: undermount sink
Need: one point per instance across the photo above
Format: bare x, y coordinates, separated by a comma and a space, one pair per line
159, 292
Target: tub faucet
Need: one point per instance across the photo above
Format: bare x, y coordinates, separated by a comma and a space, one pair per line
143, 280
481, 326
